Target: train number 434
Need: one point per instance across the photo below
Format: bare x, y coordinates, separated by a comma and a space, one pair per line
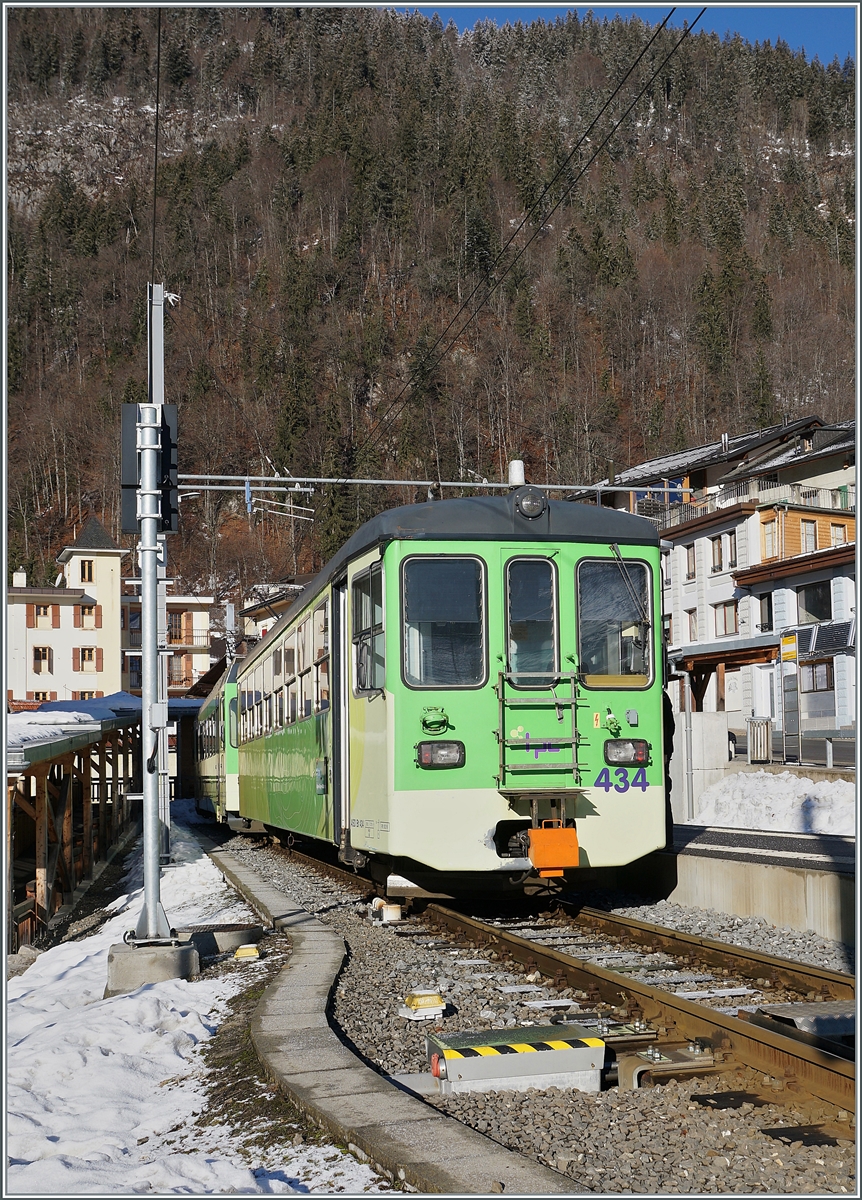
603, 780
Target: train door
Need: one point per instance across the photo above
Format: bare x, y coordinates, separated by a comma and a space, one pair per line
539, 737
340, 687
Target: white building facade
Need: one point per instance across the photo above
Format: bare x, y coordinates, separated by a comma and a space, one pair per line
63, 642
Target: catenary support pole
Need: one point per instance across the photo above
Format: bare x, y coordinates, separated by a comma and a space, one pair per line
153, 923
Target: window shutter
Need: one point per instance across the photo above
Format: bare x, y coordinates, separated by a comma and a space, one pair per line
188, 628
77, 620
55, 616
76, 659
75, 696
100, 656
53, 695
122, 618
99, 695
98, 616
50, 660
30, 696
31, 616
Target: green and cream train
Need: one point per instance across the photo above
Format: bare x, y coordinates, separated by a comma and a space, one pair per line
470, 691
217, 750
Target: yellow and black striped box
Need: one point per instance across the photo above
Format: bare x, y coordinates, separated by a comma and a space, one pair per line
517, 1058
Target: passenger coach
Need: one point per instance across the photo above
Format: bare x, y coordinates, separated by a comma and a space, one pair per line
470, 688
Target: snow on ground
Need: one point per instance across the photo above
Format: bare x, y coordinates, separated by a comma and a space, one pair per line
101, 1094
783, 803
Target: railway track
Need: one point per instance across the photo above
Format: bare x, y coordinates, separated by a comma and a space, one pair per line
594, 939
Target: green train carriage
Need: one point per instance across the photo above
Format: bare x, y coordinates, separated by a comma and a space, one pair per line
470, 689
217, 750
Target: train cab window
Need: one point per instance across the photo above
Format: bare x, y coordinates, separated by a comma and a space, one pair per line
368, 642
444, 641
614, 623
531, 622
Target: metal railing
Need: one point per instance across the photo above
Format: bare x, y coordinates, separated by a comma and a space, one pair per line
199, 638
761, 491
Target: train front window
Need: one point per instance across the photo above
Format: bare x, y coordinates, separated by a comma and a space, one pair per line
531, 622
444, 643
614, 623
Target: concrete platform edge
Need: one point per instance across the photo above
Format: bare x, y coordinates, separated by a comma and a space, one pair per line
475, 1162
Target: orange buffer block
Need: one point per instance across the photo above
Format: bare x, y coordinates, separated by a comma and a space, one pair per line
553, 847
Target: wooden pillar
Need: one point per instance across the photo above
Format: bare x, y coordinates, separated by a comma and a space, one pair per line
41, 801
67, 847
103, 800
87, 805
112, 757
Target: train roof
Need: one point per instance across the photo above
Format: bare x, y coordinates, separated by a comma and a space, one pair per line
475, 519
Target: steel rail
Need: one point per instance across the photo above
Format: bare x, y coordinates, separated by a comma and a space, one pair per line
751, 964
803, 1067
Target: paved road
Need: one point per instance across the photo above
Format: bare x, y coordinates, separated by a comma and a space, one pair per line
813, 750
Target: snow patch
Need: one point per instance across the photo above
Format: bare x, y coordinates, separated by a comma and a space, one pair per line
785, 803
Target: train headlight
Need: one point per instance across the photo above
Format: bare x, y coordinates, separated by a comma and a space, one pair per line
440, 754
626, 750
531, 503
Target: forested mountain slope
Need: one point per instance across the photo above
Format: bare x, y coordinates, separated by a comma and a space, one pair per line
333, 184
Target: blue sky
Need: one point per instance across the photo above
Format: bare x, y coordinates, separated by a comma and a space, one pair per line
824, 30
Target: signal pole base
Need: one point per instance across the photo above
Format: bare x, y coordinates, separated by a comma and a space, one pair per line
133, 966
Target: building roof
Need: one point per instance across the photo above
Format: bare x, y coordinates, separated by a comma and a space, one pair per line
683, 462
826, 441
48, 593
93, 537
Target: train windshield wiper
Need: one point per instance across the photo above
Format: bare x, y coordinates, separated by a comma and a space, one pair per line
630, 587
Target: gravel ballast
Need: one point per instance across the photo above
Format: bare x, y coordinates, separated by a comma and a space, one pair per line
719, 1134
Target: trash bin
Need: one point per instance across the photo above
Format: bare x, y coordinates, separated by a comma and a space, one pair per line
759, 739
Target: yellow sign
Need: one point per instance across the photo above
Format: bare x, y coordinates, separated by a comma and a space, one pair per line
788, 648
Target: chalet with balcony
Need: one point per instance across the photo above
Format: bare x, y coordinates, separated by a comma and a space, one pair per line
759, 532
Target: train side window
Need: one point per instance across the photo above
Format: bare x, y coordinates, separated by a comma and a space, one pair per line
303, 635
291, 702
532, 625
444, 639
305, 696
614, 623
232, 722
321, 657
369, 665
289, 656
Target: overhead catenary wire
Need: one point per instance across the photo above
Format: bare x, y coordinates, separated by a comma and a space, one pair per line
426, 365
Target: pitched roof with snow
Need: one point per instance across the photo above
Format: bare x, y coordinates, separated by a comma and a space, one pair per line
825, 441
683, 462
